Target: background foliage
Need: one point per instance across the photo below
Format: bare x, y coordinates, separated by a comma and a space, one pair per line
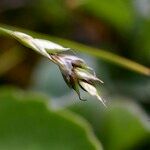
64, 122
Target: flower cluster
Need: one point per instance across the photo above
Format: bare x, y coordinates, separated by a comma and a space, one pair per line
77, 74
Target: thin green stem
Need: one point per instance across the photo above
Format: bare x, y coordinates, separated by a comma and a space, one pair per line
106, 56
102, 54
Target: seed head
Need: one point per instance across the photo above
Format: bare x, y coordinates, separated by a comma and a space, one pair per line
77, 74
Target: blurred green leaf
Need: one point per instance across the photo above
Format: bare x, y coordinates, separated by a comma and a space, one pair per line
142, 42
28, 123
122, 126
9, 59
119, 13
55, 11
108, 56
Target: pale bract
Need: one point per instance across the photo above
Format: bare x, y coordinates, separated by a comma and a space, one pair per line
91, 90
42, 46
84, 74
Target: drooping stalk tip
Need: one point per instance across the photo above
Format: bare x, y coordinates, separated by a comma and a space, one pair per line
76, 73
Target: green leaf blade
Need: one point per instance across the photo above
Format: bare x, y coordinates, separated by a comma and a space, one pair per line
27, 123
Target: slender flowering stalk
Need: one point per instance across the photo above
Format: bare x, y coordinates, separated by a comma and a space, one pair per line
75, 71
